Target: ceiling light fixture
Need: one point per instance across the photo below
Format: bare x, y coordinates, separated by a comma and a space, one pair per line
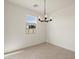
45, 15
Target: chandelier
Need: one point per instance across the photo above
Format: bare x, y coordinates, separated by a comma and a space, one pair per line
45, 19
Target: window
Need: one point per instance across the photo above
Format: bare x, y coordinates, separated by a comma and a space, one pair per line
31, 24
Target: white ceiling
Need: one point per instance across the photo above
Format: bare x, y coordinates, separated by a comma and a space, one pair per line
51, 5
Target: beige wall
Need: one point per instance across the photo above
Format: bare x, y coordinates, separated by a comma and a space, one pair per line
61, 32
15, 37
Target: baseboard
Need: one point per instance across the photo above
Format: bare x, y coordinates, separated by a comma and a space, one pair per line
60, 47
34, 46
23, 48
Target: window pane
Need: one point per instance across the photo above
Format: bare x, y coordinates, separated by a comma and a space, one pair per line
31, 19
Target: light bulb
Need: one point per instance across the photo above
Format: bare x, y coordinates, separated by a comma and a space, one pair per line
45, 15
50, 17
39, 17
